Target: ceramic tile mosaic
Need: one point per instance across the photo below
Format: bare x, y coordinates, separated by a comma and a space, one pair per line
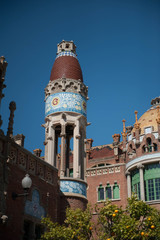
73, 187
65, 102
33, 207
66, 53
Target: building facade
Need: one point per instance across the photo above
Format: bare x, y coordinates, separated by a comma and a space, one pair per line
73, 172
118, 170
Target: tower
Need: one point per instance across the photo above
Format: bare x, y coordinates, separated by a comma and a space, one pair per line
65, 118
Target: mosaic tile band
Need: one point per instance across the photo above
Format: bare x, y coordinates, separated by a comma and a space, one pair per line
65, 53
67, 186
66, 102
33, 207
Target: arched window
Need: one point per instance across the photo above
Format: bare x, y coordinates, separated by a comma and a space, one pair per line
101, 165
149, 144
115, 191
100, 193
108, 191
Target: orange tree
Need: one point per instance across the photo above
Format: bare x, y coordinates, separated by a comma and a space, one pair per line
138, 221
77, 226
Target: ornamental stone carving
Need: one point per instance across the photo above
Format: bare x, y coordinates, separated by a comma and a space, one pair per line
49, 177
13, 155
66, 85
40, 170
32, 166
22, 158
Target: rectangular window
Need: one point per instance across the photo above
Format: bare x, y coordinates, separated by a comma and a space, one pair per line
145, 190
136, 190
100, 193
135, 178
139, 194
151, 189
157, 183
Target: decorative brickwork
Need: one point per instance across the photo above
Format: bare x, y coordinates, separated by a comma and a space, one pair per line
68, 67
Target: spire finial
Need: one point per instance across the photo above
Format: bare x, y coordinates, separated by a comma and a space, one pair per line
124, 134
12, 107
136, 125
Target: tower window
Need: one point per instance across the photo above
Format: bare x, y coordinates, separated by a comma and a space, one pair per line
67, 45
71, 172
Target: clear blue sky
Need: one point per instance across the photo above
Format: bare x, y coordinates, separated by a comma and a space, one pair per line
118, 47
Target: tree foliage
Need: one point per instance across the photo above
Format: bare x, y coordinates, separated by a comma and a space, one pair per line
77, 226
138, 221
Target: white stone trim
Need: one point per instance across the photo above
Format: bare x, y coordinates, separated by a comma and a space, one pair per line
143, 159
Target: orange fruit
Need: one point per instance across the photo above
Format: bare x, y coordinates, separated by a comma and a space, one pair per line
116, 211
142, 233
152, 226
113, 214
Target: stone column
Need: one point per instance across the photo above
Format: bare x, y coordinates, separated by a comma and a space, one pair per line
146, 148
82, 154
56, 150
63, 151
76, 163
67, 154
152, 146
129, 184
51, 144
140, 167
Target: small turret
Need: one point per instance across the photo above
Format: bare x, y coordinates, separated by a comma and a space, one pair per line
66, 46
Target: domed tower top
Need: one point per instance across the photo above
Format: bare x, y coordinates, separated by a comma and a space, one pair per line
66, 64
149, 118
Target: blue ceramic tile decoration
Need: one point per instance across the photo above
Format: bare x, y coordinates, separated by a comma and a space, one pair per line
65, 102
73, 187
66, 53
33, 207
